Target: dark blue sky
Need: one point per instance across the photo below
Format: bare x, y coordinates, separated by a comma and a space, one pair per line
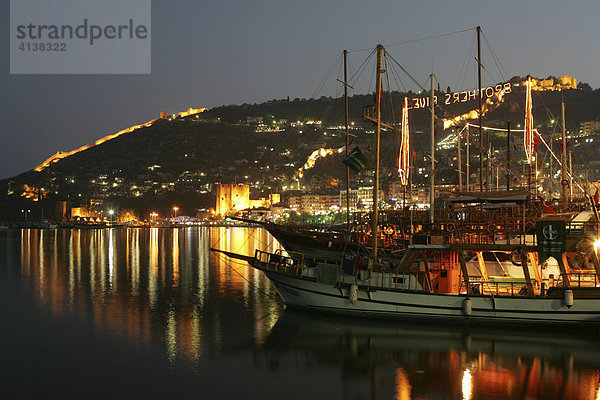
206, 54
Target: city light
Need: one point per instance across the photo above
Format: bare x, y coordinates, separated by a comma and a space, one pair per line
467, 385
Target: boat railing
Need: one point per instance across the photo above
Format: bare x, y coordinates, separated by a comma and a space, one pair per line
581, 227
307, 266
291, 262
584, 279
518, 287
498, 288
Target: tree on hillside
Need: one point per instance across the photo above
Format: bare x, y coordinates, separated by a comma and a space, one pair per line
584, 86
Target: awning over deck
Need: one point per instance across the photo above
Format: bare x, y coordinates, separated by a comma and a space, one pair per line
494, 199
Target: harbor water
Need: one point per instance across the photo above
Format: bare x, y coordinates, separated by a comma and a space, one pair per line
124, 312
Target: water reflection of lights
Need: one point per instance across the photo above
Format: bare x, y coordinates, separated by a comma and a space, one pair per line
133, 245
598, 391
403, 387
196, 331
171, 335
175, 252
72, 269
100, 251
93, 257
111, 259
121, 280
153, 267
467, 384
41, 257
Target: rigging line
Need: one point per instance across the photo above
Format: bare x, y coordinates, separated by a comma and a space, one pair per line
406, 72
361, 67
397, 78
350, 68
390, 108
546, 154
437, 106
575, 178
387, 79
538, 94
233, 261
217, 242
321, 85
495, 160
354, 78
495, 58
420, 39
328, 76
465, 67
373, 77
489, 73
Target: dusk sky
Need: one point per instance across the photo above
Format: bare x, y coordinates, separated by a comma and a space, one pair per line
206, 54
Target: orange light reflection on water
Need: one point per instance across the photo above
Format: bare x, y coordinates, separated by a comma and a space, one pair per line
122, 279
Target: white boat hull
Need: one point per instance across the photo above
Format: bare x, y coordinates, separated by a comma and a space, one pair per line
389, 303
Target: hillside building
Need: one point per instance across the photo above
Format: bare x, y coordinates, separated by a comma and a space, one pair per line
589, 128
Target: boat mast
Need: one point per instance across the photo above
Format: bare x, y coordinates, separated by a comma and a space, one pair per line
508, 156
375, 215
563, 159
480, 109
432, 180
460, 172
347, 140
570, 177
468, 155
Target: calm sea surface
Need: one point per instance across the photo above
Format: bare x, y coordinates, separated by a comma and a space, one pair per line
130, 313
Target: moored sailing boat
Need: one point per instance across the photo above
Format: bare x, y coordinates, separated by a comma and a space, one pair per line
430, 279
440, 290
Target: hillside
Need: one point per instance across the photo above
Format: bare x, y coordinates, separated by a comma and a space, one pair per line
183, 157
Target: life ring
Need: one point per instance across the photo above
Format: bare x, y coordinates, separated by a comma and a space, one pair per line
515, 258
492, 227
450, 227
564, 182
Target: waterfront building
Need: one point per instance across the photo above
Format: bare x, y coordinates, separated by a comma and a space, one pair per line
314, 203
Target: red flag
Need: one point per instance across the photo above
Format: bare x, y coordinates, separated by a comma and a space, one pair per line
547, 207
596, 197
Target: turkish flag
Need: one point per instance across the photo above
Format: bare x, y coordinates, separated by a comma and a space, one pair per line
547, 207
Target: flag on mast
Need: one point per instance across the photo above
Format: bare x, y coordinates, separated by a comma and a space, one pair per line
356, 160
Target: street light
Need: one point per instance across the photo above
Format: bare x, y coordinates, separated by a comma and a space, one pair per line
175, 209
25, 212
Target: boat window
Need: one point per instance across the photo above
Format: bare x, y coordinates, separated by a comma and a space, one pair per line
496, 256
